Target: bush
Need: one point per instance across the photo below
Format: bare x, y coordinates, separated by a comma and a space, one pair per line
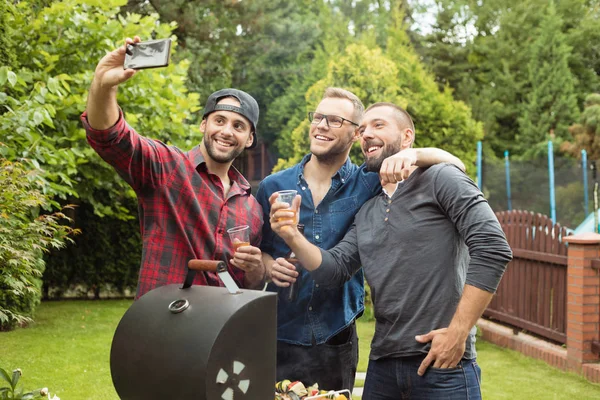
25, 235
44, 92
105, 258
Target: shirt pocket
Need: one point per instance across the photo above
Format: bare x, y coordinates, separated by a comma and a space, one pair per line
341, 214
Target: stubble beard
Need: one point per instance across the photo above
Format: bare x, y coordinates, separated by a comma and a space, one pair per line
333, 154
374, 163
220, 157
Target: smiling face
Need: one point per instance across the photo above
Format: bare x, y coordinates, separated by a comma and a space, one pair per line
326, 143
383, 132
226, 133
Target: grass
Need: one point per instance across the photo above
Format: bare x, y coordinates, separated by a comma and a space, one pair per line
68, 350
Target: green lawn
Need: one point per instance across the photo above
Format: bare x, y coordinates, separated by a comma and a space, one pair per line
67, 350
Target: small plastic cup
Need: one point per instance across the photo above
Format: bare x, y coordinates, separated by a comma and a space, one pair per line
288, 196
240, 236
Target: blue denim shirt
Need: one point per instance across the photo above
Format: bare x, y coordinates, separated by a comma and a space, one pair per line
318, 312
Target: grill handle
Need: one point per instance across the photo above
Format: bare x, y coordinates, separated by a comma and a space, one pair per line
207, 265
202, 266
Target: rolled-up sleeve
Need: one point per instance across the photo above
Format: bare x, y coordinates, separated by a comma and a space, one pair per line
464, 204
339, 263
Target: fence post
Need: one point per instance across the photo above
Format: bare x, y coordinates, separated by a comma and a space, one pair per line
551, 176
507, 170
583, 301
479, 164
585, 182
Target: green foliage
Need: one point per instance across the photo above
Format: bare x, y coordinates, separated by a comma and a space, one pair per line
440, 121
276, 47
6, 57
42, 97
208, 33
11, 392
104, 259
288, 111
551, 105
395, 75
586, 134
486, 50
24, 236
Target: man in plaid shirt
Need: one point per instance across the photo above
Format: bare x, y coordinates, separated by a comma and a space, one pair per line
187, 200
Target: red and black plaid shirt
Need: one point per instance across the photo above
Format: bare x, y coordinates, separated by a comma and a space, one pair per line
183, 211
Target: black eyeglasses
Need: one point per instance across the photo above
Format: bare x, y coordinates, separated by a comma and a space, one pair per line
333, 121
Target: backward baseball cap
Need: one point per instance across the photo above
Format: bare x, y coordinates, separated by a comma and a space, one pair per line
248, 107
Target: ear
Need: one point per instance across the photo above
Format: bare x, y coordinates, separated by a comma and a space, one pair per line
250, 139
408, 138
355, 135
203, 126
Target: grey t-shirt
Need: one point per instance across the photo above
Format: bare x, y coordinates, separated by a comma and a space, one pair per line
418, 249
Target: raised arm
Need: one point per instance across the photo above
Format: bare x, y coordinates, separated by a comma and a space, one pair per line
397, 167
102, 108
142, 162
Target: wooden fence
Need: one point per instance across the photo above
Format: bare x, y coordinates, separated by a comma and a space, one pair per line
533, 292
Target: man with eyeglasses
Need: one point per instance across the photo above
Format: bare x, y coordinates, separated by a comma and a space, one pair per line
316, 334
433, 253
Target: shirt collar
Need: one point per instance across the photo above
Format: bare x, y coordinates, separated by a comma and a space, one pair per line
389, 195
342, 174
197, 158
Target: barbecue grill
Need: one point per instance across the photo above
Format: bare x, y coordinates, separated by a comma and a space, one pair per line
197, 342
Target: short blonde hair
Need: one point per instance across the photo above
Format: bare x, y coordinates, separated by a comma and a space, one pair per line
339, 93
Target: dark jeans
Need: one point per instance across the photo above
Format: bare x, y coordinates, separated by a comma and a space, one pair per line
332, 365
396, 378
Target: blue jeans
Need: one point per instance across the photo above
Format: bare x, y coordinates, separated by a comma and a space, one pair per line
396, 378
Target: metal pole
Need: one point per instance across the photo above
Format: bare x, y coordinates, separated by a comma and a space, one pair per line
507, 169
595, 178
479, 163
551, 176
585, 182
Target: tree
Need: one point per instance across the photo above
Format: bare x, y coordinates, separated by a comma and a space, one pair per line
259, 46
396, 75
6, 57
290, 109
586, 133
480, 49
207, 31
42, 97
440, 121
551, 102
275, 49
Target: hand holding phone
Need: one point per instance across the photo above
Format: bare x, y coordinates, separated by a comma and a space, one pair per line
150, 54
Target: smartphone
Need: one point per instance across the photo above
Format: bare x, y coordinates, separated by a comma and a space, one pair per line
150, 54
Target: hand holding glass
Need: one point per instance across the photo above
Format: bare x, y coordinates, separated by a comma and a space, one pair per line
240, 236
288, 196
